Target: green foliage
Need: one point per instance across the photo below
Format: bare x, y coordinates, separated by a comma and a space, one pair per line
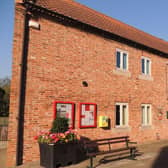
60, 125
2, 93
4, 96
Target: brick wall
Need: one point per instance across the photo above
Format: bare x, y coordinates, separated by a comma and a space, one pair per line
59, 59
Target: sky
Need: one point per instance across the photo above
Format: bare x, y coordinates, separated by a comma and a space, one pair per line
6, 36
150, 16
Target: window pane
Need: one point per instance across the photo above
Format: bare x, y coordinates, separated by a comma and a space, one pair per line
147, 66
143, 65
124, 110
117, 115
148, 115
118, 59
124, 61
143, 114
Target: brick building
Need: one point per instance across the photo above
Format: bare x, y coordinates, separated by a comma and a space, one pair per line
73, 61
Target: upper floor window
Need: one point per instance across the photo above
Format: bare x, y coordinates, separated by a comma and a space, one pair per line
122, 60
146, 114
145, 66
121, 114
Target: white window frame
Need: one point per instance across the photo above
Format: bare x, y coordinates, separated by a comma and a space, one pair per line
121, 116
145, 121
145, 65
121, 59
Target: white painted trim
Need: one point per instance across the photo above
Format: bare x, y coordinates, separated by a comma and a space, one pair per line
121, 59
145, 115
145, 68
121, 116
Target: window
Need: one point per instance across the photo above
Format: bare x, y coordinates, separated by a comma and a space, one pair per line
88, 115
122, 60
166, 114
65, 109
146, 66
146, 114
121, 114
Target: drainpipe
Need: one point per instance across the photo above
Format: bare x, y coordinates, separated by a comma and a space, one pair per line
22, 88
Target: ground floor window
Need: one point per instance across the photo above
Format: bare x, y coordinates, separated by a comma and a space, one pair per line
121, 114
146, 114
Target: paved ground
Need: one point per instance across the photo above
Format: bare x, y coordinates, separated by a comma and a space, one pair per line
2, 154
2, 158
153, 155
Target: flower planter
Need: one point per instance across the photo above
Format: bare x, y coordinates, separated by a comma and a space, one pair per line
55, 155
59, 148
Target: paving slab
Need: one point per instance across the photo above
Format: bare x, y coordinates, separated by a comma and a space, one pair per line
153, 155
2, 157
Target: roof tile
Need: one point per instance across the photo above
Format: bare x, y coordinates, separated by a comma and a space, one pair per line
89, 16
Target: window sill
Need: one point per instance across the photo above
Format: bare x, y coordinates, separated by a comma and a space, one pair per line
122, 72
146, 77
121, 128
144, 127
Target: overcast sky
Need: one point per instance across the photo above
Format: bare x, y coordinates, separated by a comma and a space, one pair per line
150, 16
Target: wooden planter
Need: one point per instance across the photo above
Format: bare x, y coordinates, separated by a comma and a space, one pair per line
55, 155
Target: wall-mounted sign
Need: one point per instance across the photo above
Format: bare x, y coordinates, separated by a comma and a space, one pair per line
88, 115
65, 109
103, 121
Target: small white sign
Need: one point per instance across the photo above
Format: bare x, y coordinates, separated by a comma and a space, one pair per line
34, 24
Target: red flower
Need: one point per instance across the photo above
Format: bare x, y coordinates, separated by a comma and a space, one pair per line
53, 136
56, 140
67, 132
35, 137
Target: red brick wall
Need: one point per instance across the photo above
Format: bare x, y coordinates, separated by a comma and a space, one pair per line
59, 59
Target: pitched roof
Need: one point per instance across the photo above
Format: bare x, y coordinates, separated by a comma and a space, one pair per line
93, 18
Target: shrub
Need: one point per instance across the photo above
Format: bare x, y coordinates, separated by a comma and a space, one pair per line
59, 125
